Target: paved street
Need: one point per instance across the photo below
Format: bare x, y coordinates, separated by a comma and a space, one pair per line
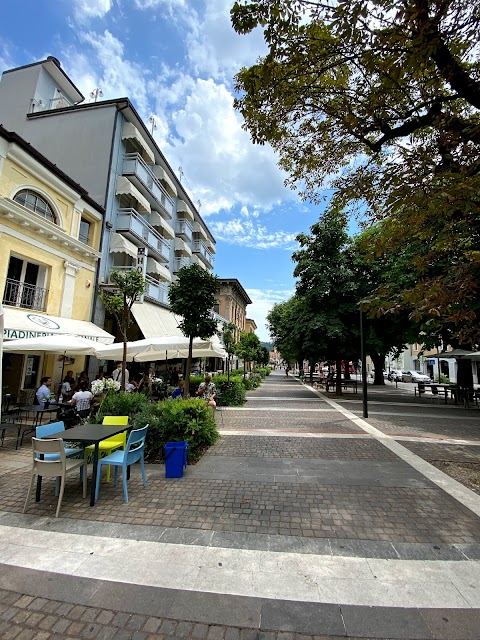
304, 519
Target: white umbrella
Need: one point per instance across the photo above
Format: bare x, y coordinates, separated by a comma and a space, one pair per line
73, 345
151, 349
1, 357
458, 354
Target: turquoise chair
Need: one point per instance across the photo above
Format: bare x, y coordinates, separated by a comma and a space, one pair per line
44, 430
133, 452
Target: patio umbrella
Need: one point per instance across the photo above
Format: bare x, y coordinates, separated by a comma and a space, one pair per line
150, 349
458, 354
73, 345
1, 358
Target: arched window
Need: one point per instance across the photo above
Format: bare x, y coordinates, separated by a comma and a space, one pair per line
35, 203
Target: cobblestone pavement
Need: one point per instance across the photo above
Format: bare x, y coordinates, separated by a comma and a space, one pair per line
352, 490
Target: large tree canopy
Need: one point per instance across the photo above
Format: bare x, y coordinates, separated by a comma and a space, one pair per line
380, 100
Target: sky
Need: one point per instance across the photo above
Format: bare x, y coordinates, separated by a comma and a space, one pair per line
176, 61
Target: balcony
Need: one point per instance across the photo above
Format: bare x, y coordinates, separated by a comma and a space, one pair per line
133, 225
179, 263
144, 179
184, 230
200, 248
156, 291
25, 296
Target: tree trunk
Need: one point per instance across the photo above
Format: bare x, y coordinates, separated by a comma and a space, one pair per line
312, 367
338, 377
228, 368
378, 360
125, 338
346, 364
186, 388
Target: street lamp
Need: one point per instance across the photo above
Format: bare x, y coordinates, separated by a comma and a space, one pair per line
364, 367
96, 93
153, 122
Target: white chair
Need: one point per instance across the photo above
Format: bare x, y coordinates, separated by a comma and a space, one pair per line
53, 467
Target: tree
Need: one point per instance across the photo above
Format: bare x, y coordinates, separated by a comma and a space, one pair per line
192, 296
129, 286
380, 100
229, 344
249, 349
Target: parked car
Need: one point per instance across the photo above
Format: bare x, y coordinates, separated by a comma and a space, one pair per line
395, 375
415, 376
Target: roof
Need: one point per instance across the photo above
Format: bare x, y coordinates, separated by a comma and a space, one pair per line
11, 136
233, 282
56, 71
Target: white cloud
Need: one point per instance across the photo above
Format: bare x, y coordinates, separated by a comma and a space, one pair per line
84, 10
109, 70
262, 303
248, 233
214, 48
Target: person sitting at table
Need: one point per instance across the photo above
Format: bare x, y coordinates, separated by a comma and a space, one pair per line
131, 386
43, 393
178, 391
66, 390
208, 391
81, 400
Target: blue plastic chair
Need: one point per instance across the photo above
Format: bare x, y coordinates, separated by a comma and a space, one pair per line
70, 452
133, 452
54, 427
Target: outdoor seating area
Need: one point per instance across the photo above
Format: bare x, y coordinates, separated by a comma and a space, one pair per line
454, 393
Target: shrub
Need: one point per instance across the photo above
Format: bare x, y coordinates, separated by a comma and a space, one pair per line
255, 379
121, 404
188, 420
231, 394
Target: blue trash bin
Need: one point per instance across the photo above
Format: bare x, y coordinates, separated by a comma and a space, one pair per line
176, 459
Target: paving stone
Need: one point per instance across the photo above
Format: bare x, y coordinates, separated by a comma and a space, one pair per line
384, 622
452, 624
302, 617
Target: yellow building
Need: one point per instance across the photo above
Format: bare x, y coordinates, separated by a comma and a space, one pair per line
50, 235
250, 325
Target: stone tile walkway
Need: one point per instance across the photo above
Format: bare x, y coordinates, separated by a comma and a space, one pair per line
296, 475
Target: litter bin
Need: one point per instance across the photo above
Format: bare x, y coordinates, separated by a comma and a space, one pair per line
176, 459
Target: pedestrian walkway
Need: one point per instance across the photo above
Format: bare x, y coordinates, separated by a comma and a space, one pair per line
303, 519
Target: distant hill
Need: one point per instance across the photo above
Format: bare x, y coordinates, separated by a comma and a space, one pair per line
268, 345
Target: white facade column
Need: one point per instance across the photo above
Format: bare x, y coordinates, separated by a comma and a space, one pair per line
71, 270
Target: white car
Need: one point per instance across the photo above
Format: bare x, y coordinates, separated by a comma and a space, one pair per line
416, 376
395, 375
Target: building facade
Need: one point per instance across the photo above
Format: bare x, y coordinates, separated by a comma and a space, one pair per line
50, 232
150, 222
232, 301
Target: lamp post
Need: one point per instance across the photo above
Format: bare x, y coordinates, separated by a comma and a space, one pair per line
364, 367
153, 121
96, 93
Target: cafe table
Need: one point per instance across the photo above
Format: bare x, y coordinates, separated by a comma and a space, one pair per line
86, 434
39, 410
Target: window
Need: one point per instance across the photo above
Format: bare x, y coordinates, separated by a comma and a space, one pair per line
84, 232
24, 285
35, 203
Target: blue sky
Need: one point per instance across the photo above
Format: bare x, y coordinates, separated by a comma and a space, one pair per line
175, 59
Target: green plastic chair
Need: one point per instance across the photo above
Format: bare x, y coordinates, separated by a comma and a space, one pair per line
110, 444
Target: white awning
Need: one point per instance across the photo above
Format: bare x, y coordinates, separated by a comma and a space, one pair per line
156, 220
184, 208
163, 175
125, 186
130, 132
119, 244
198, 228
182, 246
31, 324
156, 321
154, 267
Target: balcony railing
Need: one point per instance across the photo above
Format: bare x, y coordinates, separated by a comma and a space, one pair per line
179, 263
131, 222
184, 230
200, 248
155, 290
134, 164
26, 296
60, 103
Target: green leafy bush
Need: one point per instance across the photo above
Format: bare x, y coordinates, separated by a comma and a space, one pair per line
121, 404
178, 420
230, 394
255, 379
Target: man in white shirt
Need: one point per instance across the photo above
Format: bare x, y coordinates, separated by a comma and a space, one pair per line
43, 392
117, 374
82, 399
